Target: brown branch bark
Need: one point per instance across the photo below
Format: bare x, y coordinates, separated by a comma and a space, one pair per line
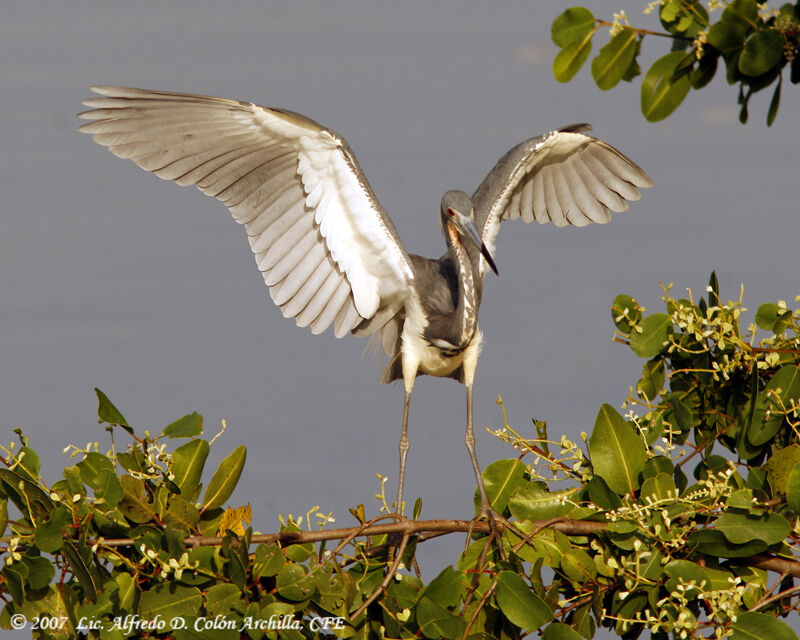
773, 563
409, 527
439, 527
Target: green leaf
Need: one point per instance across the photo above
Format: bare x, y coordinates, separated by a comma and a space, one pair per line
771, 317
793, 489
649, 337
169, 601
225, 479
548, 546
740, 528
501, 479
40, 571
578, 566
625, 312
684, 572
775, 103
570, 59
437, 622
572, 26
91, 466
662, 93
762, 51
602, 495
533, 501
28, 461
447, 588
181, 514
108, 413
126, 591
659, 487
135, 504
519, 604
222, 598
107, 488
617, 452
614, 59
780, 465
681, 412
185, 427
726, 36
781, 390
268, 560
293, 583
652, 380
752, 625
188, 461
49, 535
743, 12
560, 631
670, 10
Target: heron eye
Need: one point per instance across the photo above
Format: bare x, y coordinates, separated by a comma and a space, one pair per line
450, 212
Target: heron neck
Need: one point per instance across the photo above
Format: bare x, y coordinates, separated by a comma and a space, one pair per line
468, 294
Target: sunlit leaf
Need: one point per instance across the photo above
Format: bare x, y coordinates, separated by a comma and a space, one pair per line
573, 25
560, 631
169, 601
519, 604
662, 93
570, 59
650, 336
447, 588
752, 625
108, 413
49, 535
616, 451
740, 528
614, 59
293, 582
500, 479
225, 479
533, 501
185, 427
437, 622
781, 390
625, 312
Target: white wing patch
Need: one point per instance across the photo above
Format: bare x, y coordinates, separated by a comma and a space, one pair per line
355, 236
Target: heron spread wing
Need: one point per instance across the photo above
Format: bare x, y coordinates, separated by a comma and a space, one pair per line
564, 177
326, 248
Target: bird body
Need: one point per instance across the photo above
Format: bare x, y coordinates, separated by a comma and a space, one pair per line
327, 249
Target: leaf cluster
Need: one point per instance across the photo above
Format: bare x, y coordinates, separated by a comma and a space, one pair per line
679, 519
754, 43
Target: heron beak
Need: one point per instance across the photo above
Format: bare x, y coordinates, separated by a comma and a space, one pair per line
468, 229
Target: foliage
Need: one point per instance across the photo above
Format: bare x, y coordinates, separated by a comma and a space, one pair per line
620, 533
754, 42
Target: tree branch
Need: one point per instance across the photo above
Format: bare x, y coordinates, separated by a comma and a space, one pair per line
405, 527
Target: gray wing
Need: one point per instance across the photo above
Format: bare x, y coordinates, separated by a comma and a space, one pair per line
326, 248
564, 177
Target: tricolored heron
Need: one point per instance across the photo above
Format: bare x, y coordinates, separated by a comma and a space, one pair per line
328, 250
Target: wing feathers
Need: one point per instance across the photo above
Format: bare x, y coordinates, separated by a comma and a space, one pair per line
564, 177
327, 250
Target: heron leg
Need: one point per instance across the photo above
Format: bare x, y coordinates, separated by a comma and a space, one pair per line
469, 440
403, 447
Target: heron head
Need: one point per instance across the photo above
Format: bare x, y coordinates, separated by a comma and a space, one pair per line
458, 223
